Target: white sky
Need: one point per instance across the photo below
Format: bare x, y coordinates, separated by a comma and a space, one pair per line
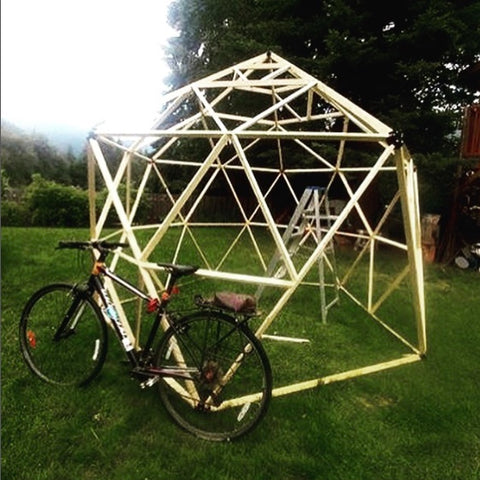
79, 62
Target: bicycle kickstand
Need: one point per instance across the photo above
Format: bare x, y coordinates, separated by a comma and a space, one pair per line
150, 382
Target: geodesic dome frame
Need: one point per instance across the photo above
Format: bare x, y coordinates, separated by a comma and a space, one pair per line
295, 116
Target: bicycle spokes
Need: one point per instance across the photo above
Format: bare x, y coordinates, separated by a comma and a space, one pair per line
233, 386
63, 348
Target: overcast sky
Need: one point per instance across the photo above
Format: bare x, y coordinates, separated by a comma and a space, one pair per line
79, 62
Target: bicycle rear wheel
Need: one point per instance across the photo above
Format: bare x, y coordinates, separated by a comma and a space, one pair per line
229, 382
63, 336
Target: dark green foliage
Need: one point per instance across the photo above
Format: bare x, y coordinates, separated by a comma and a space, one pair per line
24, 154
443, 171
54, 205
402, 62
5, 187
44, 187
143, 211
406, 63
15, 214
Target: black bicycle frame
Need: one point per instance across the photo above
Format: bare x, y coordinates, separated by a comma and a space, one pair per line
96, 284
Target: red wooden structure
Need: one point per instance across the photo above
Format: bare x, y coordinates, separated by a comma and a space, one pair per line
463, 223
471, 132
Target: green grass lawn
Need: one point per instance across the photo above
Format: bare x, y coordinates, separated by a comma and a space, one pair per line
420, 421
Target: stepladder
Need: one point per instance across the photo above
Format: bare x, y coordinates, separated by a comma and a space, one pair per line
310, 221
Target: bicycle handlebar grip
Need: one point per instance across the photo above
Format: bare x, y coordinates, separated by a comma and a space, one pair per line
77, 245
111, 245
99, 245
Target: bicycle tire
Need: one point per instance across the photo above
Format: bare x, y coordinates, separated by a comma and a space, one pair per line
77, 355
211, 343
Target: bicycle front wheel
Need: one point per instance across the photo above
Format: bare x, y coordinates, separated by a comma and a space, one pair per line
63, 336
227, 380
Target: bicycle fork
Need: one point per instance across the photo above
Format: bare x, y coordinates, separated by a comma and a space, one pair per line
70, 320
72, 317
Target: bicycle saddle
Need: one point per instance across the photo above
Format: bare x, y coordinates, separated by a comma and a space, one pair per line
178, 270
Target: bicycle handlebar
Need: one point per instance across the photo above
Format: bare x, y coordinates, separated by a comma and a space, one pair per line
100, 245
104, 247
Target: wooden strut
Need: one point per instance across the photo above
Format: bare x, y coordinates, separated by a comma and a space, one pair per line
322, 381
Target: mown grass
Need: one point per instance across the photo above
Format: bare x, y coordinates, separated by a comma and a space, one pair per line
416, 421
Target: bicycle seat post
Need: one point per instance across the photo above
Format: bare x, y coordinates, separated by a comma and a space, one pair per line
175, 273
171, 282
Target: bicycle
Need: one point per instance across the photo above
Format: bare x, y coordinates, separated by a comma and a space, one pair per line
212, 372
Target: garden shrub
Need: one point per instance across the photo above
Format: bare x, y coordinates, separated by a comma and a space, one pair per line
14, 214
53, 205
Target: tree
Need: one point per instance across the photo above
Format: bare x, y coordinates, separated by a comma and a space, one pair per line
24, 154
405, 62
401, 61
